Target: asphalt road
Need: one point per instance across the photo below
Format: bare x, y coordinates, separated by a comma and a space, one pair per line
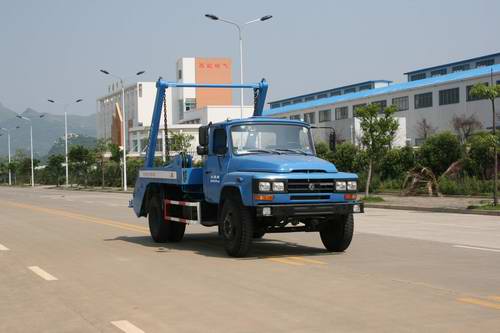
82, 262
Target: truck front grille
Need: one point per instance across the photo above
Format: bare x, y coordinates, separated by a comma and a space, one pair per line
311, 185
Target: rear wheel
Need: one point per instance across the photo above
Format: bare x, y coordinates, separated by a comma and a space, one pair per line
336, 234
163, 231
236, 225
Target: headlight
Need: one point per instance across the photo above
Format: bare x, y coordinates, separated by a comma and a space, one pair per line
340, 186
264, 186
352, 185
278, 187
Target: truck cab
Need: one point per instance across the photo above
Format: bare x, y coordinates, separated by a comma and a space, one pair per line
268, 169
259, 175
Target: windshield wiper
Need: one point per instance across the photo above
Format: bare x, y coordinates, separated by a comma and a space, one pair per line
297, 151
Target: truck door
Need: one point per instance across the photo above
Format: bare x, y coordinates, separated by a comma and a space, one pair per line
215, 165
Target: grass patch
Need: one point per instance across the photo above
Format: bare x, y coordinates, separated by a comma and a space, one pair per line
487, 206
372, 198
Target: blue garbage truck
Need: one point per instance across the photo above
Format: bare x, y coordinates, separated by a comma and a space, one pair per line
258, 175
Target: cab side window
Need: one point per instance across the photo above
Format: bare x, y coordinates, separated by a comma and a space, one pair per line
220, 141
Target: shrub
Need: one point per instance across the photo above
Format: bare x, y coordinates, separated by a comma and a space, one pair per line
439, 151
346, 157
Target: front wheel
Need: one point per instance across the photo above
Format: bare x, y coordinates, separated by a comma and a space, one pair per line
336, 234
236, 226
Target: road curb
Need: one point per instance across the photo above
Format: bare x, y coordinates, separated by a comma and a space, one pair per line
435, 209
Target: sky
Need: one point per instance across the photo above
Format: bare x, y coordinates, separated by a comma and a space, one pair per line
55, 48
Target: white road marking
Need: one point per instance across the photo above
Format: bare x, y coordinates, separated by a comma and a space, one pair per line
41, 273
3, 248
477, 248
127, 326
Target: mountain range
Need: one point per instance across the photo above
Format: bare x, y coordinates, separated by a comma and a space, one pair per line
46, 130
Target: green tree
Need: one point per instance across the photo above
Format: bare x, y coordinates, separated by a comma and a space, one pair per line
481, 90
100, 152
55, 168
180, 141
378, 130
81, 159
439, 151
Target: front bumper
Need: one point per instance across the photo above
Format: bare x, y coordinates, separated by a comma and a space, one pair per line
309, 210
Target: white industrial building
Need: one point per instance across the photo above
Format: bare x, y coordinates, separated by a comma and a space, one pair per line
187, 108
436, 99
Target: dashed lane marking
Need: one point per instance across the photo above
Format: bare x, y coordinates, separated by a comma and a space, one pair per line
79, 217
495, 298
480, 302
286, 261
3, 248
41, 273
477, 248
127, 326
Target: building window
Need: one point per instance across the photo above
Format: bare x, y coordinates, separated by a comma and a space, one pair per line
296, 101
275, 105
309, 118
179, 74
321, 96
449, 96
423, 100
140, 89
418, 76
438, 72
471, 98
349, 90
459, 68
487, 62
295, 117
365, 87
341, 112
286, 103
336, 93
309, 98
401, 103
190, 104
325, 115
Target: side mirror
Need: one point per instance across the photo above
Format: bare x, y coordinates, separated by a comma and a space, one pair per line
203, 136
202, 150
220, 151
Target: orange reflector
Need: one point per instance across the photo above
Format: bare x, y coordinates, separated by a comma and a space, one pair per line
350, 196
264, 197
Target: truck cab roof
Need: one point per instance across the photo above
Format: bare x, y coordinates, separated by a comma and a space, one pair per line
261, 119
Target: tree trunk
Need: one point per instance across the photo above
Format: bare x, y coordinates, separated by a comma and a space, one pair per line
495, 157
368, 178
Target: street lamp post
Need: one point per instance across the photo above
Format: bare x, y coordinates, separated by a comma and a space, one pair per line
66, 105
8, 146
31, 146
124, 127
240, 36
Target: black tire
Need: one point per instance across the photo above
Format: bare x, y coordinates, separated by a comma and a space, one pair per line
236, 224
176, 232
258, 234
157, 226
163, 231
336, 234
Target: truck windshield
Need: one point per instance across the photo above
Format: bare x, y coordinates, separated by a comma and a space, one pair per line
271, 139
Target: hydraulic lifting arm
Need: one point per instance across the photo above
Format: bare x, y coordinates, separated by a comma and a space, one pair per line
260, 91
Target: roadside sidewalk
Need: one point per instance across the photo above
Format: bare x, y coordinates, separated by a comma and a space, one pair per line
447, 204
